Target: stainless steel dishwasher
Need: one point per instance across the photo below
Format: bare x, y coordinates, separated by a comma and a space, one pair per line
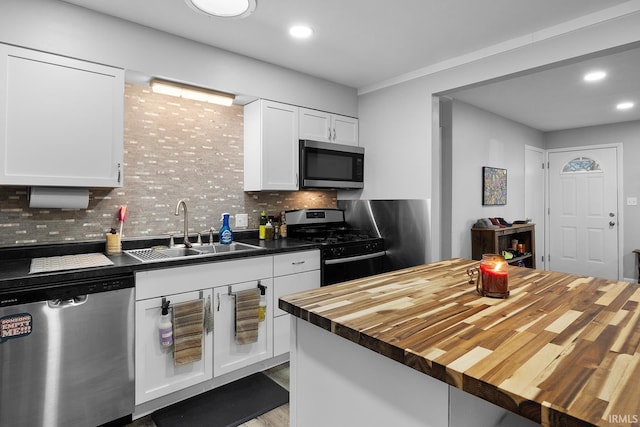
66, 353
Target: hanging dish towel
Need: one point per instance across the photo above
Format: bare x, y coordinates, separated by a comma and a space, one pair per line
247, 303
188, 329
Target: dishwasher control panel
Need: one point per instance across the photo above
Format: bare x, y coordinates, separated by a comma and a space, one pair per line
65, 290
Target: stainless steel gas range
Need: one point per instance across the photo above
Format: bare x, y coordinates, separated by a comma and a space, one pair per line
347, 253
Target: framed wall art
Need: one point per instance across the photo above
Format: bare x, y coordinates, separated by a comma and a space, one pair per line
494, 186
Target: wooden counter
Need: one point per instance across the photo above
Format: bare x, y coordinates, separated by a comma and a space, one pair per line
561, 350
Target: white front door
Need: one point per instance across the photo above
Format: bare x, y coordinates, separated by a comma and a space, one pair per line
583, 212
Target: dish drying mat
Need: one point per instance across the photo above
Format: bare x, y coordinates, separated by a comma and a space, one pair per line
68, 262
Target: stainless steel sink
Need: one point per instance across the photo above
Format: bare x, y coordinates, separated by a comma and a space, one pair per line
165, 254
179, 252
219, 248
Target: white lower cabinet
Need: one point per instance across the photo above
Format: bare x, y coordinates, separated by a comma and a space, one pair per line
229, 355
159, 381
293, 272
156, 372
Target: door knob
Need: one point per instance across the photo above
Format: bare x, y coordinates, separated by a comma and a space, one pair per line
611, 223
611, 214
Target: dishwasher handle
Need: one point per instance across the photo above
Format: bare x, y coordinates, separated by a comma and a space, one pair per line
67, 302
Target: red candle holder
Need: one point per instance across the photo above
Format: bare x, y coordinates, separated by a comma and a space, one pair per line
493, 277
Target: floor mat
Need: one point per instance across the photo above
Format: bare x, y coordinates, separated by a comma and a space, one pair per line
226, 406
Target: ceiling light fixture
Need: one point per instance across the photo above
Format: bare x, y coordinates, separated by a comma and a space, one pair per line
625, 105
194, 93
224, 8
594, 76
300, 31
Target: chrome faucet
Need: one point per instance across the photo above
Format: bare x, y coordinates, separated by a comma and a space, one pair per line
186, 222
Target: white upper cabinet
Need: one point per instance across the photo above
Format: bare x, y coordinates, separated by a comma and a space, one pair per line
270, 146
61, 121
315, 125
322, 126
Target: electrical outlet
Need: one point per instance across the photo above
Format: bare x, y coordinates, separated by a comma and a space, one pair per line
242, 220
632, 201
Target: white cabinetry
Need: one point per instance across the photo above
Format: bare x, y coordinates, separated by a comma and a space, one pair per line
293, 272
229, 355
61, 121
156, 372
156, 375
322, 126
270, 146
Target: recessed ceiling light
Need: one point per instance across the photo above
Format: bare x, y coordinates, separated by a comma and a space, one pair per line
224, 8
594, 76
300, 31
625, 105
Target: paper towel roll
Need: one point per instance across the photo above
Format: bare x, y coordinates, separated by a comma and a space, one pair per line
59, 197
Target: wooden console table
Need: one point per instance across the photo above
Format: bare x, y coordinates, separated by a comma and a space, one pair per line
495, 240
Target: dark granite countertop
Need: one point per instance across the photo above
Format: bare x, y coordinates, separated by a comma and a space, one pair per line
15, 262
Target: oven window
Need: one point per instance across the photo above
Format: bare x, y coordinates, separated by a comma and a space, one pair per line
328, 166
336, 273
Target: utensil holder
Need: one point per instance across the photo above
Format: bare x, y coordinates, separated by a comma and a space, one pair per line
114, 245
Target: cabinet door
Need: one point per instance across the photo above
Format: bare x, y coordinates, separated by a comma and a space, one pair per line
345, 130
315, 125
61, 121
281, 335
271, 146
286, 285
293, 283
155, 370
228, 355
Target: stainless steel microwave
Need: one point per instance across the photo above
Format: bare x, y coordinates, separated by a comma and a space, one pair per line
329, 165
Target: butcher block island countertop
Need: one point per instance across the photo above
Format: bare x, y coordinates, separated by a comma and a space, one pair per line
561, 350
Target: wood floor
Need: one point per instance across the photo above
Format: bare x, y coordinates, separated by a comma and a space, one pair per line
278, 417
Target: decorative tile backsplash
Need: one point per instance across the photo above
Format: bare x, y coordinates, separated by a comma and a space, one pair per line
173, 149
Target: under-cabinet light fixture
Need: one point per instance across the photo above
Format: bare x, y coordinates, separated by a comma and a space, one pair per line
224, 8
194, 93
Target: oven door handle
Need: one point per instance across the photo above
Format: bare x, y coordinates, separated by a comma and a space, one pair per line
355, 258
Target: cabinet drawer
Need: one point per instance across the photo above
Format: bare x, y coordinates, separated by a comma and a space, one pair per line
296, 262
293, 283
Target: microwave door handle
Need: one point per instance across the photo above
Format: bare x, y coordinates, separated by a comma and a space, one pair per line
355, 258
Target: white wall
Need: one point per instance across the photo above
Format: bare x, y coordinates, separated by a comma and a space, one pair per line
627, 133
481, 138
397, 118
394, 126
65, 29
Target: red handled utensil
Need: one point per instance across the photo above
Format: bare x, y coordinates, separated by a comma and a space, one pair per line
122, 215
